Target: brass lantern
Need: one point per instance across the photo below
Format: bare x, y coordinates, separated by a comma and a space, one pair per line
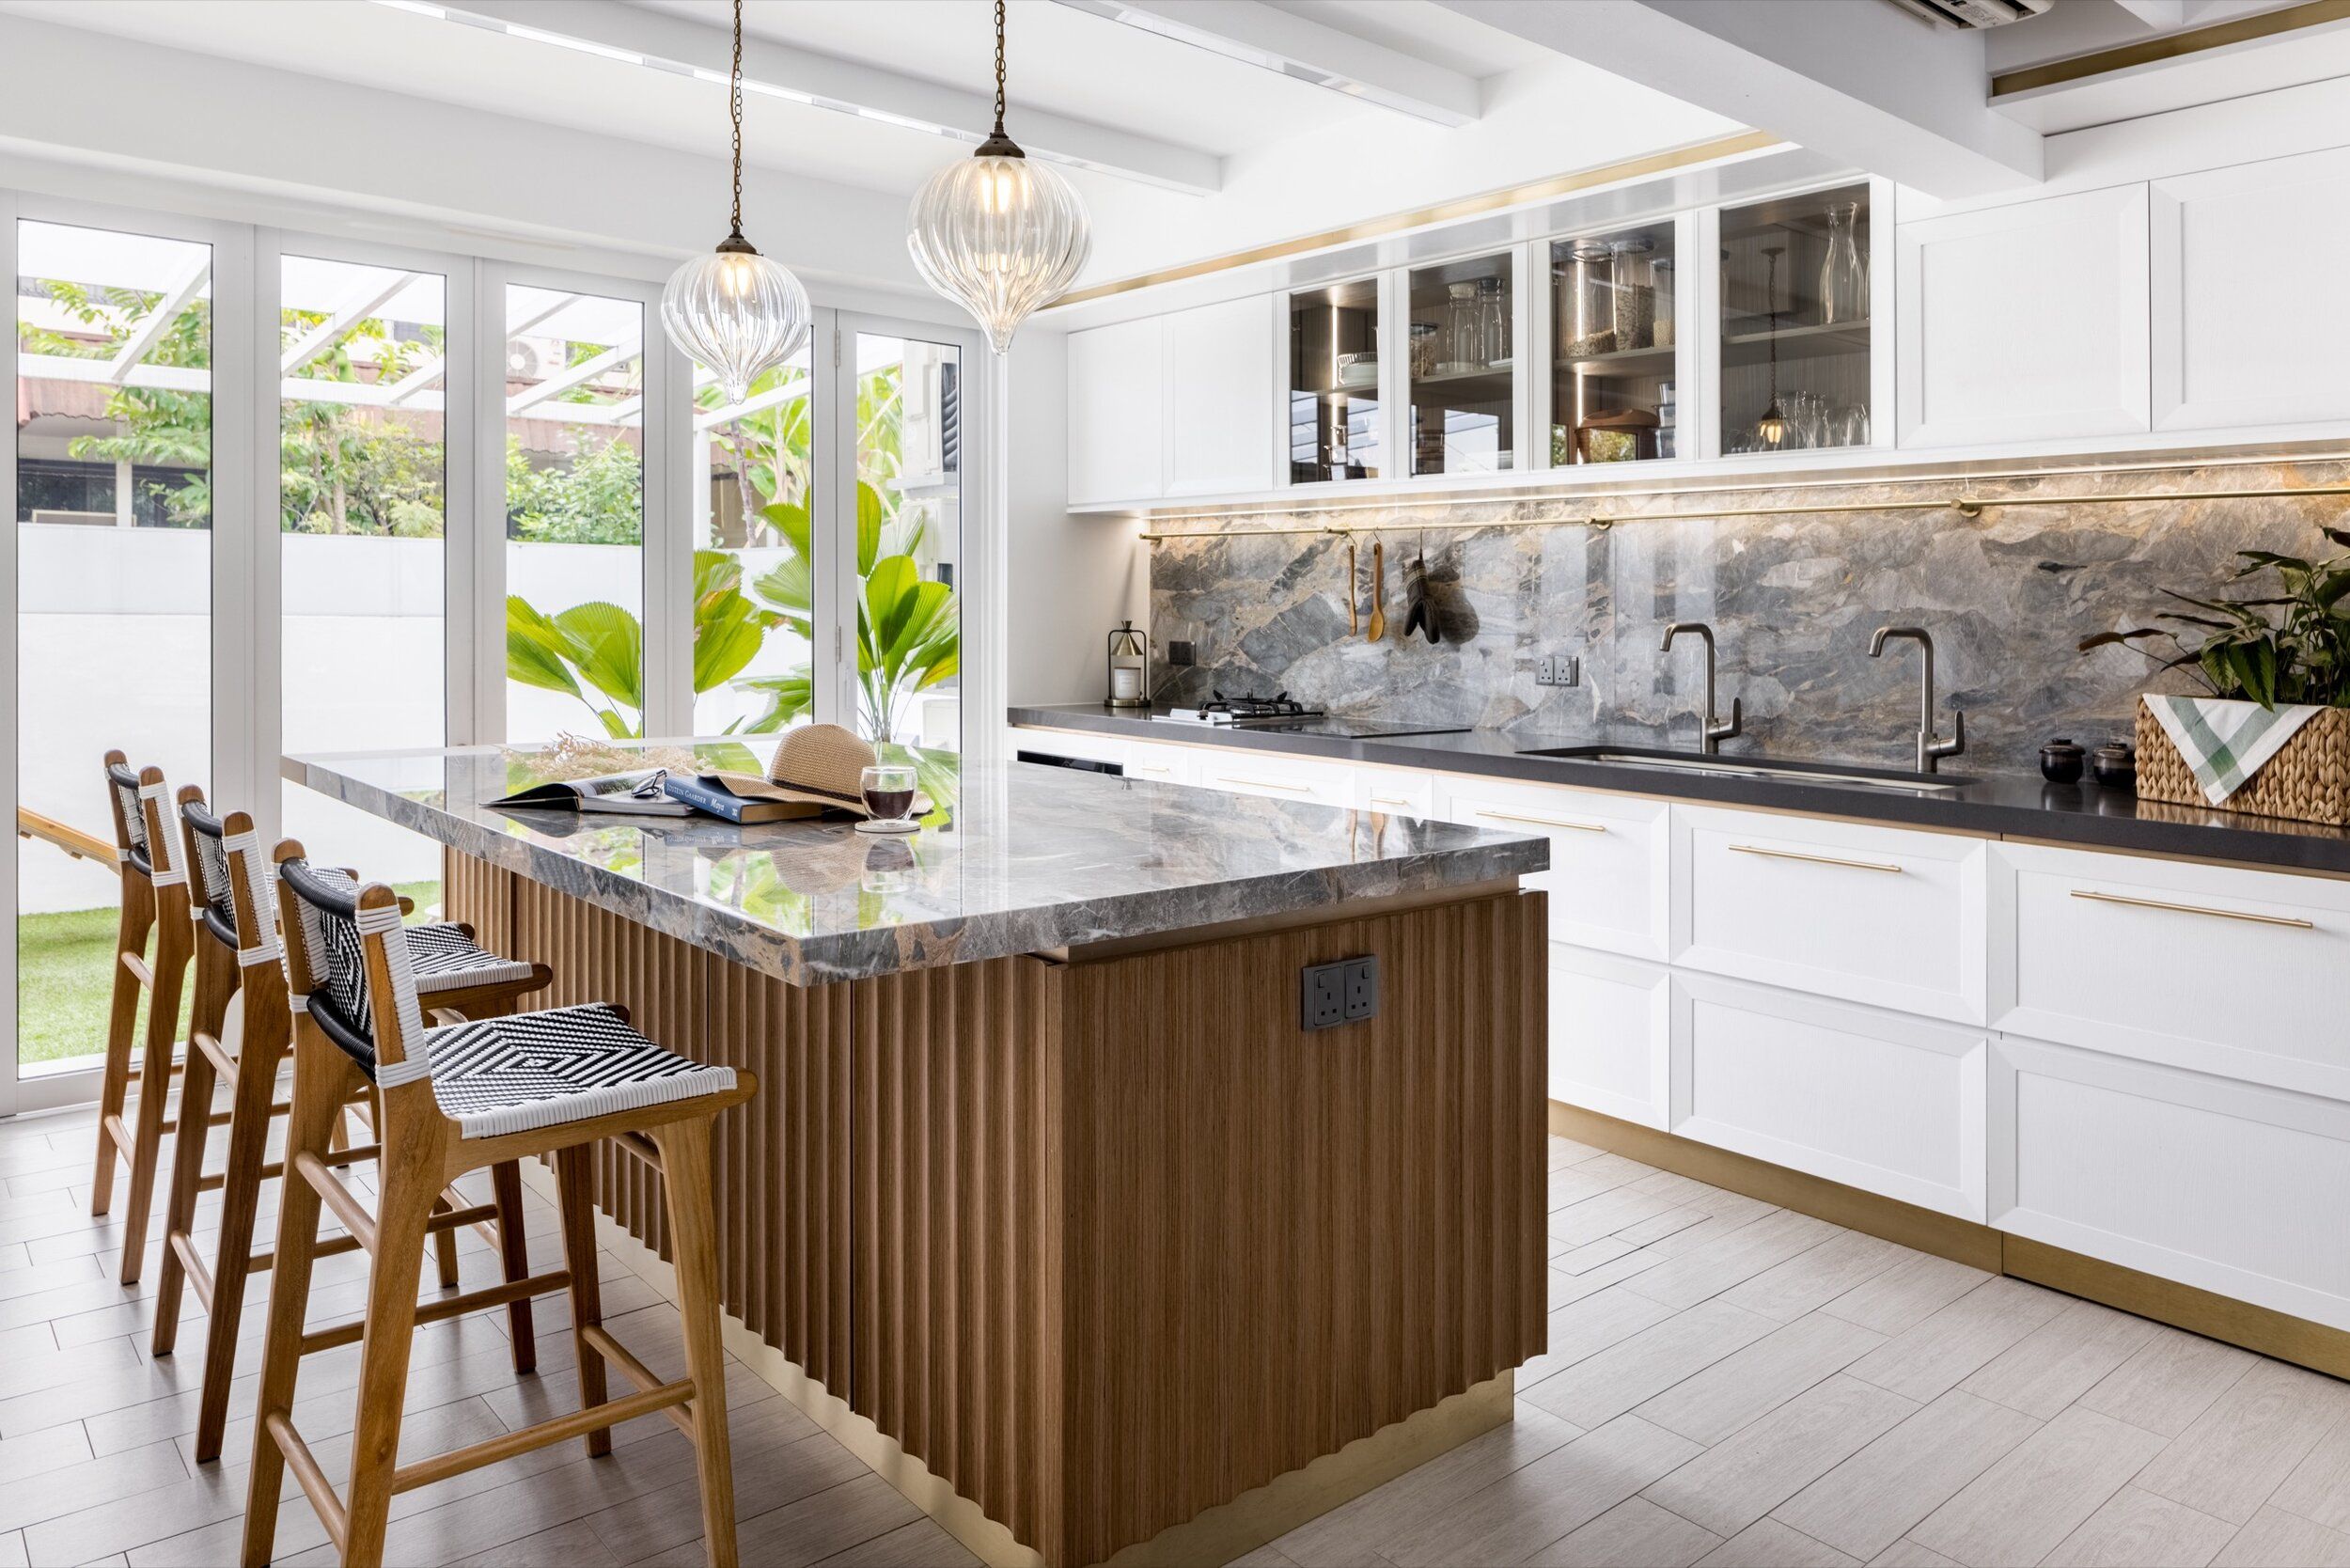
1130, 668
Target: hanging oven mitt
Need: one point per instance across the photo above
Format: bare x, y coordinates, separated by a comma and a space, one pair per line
1417, 616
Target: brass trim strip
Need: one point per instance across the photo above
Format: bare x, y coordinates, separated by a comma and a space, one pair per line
1721, 147
2242, 29
1815, 859
1968, 507
2242, 914
1542, 821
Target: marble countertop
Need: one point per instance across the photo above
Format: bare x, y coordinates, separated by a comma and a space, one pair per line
1019, 858
1990, 803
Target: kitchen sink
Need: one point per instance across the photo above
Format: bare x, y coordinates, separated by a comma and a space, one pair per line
1886, 779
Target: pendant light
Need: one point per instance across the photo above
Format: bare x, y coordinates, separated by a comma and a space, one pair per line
1772, 428
735, 310
997, 233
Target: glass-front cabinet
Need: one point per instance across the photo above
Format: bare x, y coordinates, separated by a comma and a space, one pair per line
1614, 350
1462, 386
1795, 361
1335, 429
1714, 333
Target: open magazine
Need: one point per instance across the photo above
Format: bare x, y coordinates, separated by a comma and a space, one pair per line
636, 794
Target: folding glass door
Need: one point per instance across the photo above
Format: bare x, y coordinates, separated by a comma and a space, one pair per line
114, 466
898, 429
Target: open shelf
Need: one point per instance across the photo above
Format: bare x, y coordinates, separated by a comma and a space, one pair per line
1623, 362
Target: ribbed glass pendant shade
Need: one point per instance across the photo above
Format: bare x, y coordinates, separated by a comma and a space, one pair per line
737, 313
1000, 235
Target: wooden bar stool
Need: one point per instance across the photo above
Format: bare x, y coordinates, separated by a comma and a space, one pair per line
453, 1099
154, 899
241, 1035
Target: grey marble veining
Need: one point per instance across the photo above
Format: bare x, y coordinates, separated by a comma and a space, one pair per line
1793, 600
1020, 859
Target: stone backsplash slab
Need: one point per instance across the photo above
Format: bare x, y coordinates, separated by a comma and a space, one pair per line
1792, 598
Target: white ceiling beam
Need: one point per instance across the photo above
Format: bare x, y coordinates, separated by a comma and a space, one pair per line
157, 321
1306, 51
1865, 84
363, 301
517, 323
661, 41
575, 375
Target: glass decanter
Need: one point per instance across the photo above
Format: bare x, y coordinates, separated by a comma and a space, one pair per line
1844, 273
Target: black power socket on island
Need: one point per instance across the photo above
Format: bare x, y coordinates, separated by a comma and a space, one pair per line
1346, 992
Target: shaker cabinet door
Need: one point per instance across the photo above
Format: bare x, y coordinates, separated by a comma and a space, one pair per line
1116, 399
2025, 322
2252, 322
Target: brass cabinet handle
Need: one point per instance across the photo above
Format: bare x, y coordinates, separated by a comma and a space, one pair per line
1814, 859
1542, 821
1150, 767
2244, 915
1375, 800
1269, 784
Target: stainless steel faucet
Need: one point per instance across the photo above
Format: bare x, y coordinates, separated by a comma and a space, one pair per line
1711, 731
1931, 748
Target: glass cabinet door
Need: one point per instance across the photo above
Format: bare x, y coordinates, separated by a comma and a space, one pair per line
1794, 308
1463, 368
1612, 347
1334, 423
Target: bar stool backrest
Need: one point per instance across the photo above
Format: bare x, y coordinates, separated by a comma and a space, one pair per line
140, 842
347, 957
208, 864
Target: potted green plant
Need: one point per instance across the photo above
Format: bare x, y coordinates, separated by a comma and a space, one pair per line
2271, 735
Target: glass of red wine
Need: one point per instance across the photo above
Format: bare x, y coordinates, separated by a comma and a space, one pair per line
888, 792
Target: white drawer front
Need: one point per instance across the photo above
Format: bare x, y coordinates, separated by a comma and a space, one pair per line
1608, 856
1280, 777
2223, 970
1395, 792
1873, 915
1610, 1034
1890, 1104
2221, 1186
1161, 764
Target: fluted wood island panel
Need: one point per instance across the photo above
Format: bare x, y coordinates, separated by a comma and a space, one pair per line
1087, 1243
1106, 1241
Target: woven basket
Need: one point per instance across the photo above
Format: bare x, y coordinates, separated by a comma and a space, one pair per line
2308, 781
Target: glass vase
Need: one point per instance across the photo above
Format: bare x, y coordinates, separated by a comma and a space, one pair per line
1844, 273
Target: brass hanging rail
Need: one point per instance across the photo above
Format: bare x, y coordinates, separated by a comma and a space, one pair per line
1966, 506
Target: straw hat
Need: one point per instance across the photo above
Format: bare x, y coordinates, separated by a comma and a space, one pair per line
820, 763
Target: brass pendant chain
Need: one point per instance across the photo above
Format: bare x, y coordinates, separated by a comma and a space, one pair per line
734, 105
999, 65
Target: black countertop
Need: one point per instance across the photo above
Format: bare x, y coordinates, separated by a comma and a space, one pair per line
1993, 805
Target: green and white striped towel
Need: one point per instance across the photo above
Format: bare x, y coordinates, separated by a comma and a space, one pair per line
2224, 741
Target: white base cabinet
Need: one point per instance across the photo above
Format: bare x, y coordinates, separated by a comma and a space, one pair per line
1877, 915
1610, 1034
2140, 1060
2222, 1186
1888, 1103
2209, 967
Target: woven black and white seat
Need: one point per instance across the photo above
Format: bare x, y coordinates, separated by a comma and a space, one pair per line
492, 1076
441, 955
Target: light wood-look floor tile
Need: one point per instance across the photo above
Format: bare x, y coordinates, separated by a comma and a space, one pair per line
2046, 1488
1726, 1381
2138, 1530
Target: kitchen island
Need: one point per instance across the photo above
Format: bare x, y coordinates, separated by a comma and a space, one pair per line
1049, 1203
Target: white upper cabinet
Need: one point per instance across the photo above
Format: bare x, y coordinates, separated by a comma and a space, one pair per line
2025, 323
1219, 389
2252, 322
1116, 412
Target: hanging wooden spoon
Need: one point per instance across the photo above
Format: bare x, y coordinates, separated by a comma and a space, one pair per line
1354, 589
1378, 627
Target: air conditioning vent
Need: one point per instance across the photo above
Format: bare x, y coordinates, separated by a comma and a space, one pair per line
1973, 13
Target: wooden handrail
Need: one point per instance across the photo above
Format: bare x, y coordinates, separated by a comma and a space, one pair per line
32, 825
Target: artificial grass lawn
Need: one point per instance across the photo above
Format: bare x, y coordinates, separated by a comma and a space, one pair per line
65, 979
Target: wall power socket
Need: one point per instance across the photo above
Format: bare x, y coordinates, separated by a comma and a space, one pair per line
1346, 992
1558, 669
